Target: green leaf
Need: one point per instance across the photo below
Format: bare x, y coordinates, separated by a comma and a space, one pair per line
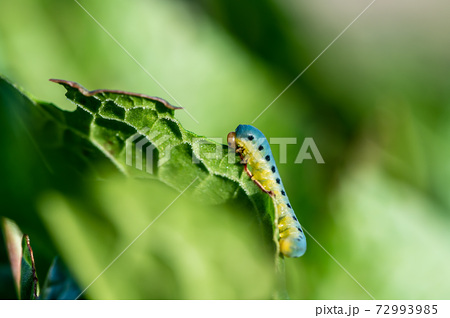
141, 137
121, 124
59, 283
93, 140
107, 124
29, 285
13, 239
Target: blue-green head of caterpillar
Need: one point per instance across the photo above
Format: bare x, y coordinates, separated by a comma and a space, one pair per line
247, 137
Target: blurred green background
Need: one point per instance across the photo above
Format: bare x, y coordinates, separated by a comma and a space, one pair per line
376, 103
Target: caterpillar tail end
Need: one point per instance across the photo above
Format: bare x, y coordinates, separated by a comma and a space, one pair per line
291, 247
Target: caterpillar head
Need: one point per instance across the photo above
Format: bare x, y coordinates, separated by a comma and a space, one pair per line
249, 137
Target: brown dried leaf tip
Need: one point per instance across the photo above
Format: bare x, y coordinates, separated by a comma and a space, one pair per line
88, 93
